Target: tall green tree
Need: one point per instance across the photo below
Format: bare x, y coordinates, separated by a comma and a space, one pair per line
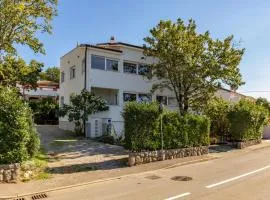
191, 64
80, 107
51, 74
15, 70
21, 20
263, 102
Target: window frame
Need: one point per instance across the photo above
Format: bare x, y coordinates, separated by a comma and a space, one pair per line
114, 60
131, 93
97, 56
145, 94
130, 63
62, 78
72, 72
162, 102
143, 65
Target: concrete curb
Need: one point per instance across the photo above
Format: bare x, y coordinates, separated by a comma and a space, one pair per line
108, 179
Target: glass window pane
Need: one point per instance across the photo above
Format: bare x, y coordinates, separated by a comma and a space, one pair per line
129, 97
97, 62
130, 68
162, 99
112, 65
145, 98
143, 69
62, 77
72, 72
172, 101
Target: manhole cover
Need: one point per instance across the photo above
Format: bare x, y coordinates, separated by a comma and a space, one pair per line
181, 178
39, 196
152, 177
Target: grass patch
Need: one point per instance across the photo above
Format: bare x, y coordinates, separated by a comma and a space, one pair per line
36, 168
63, 142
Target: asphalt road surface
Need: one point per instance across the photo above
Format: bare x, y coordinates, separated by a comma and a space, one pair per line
240, 175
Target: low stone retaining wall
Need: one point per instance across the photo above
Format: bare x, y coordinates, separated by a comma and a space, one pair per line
244, 144
136, 158
9, 173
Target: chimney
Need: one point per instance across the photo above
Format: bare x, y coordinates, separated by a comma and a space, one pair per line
112, 40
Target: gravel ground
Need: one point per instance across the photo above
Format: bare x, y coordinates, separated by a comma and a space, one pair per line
70, 154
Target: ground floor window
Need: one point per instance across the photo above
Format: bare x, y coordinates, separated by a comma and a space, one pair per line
162, 99
129, 97
144, 98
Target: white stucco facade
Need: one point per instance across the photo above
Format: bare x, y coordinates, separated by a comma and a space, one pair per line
110, 84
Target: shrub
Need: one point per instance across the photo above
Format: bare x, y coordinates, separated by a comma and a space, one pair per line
45, 111
247, 120
142, 128
18, 137
217, 110
109, 139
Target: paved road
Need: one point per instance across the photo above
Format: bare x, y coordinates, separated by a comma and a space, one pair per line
240, 175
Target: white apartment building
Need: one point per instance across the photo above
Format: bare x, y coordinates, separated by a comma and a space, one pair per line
114, 71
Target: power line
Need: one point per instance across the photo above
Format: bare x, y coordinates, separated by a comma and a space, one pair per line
254, 91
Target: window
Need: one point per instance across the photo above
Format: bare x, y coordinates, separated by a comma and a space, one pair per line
62, 101
143, 69
162, 99
72, 72
83, 65
97, 62
172, 101
129, 97
111, 65
130, 68
62, 77
145, 98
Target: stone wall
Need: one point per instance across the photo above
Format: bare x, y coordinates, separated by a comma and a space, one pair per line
244, 144
136, 158
9, 173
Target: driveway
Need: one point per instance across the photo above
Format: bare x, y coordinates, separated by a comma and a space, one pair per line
70, 154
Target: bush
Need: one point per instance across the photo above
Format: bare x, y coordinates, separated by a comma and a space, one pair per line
217, 110
247, 121
142, 128
18, 137
108, 139
45, 111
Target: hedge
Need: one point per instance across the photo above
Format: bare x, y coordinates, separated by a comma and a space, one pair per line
247, 121
142, 128
18, 138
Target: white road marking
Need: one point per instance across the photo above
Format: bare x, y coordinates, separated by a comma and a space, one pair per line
178, 196
238, 177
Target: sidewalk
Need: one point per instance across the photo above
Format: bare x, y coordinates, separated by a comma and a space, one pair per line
64, 180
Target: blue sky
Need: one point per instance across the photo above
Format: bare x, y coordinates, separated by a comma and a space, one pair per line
91, 21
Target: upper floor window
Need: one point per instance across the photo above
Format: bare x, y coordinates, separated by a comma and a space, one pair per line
162, 99
129, 97
97, 62
130, 68
72, 72
62, 77
144, 98
143, 69
111, 65
83, 65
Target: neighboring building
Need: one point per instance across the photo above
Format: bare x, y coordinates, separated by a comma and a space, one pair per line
113, 71
44, 89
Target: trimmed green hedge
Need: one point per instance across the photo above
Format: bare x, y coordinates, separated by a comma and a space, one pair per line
142, 128
247, 121
18, 138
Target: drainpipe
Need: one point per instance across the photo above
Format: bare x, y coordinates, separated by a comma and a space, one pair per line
85, 82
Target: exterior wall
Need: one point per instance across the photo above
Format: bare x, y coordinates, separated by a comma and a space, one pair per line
119, 81
69, 86
229, 95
